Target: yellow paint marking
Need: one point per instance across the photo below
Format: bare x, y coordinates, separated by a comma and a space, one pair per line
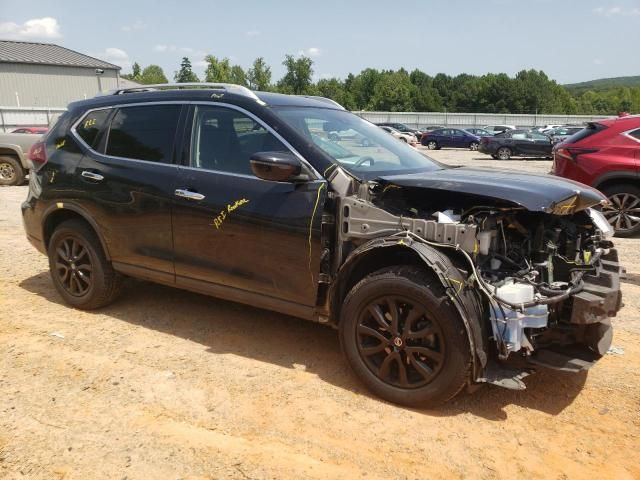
457, 282
224, 214
60, 144
60, 205
313, 214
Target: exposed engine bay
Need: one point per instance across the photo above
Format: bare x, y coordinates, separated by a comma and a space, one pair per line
547, 280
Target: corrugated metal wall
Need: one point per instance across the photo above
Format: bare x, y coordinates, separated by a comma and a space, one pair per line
424, 119
26, 85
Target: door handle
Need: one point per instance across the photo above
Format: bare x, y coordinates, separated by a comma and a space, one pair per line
92, 176
189, 195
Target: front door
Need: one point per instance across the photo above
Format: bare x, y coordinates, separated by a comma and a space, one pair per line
233, 232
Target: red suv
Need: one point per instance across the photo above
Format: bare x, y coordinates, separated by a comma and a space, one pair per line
606, 155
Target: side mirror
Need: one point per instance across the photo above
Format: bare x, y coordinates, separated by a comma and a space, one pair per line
276, 166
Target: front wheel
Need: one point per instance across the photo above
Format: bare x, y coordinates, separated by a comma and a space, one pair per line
623, 211
504, 153
79, 269
404, 339
432, 145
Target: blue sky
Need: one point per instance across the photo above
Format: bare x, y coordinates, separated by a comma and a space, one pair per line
570, 40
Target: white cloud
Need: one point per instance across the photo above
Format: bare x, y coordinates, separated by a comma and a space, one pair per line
612, 11
598, 61
114, 55
253, 33
134, 27
164, 48
46, 28
311, 52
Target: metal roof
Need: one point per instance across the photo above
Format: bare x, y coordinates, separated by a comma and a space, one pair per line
47, 54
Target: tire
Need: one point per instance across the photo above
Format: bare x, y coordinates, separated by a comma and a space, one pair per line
624, 208
504, 153
89, 285
11, 172
473, 146
494, 156
432, 145
439, 362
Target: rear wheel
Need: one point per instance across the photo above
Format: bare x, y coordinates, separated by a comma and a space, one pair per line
11, 172
432, 145
474, 146
504, 153
623, 211
79, 269
404, 338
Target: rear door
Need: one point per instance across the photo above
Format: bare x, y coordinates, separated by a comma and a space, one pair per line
541, 144
235, 234
126, 182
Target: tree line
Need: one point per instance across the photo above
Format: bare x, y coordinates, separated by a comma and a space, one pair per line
529, 91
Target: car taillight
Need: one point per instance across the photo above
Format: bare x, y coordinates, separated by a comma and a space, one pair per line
571, 153
38, 153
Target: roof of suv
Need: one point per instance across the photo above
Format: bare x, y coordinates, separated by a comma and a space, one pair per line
206, 94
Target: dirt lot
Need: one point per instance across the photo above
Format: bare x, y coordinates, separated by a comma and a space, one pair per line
169, 384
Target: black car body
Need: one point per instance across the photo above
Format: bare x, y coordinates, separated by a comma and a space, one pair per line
401, 127
436, 277
516, 143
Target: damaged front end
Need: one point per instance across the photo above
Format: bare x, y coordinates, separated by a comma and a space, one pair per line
532, 252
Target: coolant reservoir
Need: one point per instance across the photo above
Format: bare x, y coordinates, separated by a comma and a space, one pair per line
509, 324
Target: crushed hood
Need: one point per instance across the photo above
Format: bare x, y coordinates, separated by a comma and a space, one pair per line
535, 192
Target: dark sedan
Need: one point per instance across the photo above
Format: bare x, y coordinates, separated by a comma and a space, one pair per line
519, 143
450, 137
479, 132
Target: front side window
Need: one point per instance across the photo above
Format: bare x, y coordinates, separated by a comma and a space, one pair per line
363, 148
223, 139
144, 133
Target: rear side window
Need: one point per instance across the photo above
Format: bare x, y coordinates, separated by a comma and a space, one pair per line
91, 125
590, 129
144, 133
635, 134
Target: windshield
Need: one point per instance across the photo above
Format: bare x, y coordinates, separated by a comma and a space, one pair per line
364, 149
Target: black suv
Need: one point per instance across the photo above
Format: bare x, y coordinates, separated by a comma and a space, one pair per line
436, 277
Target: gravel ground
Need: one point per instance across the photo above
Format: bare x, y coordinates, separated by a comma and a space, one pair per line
170, 384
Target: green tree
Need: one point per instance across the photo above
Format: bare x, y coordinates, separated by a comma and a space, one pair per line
153, 74
259, 75
393, 93
185, 74
297, 79
217, 70
238, 76
135, 73
334, 89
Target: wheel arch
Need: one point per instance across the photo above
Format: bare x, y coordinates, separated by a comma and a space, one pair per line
616, 177
391, 251
55, 215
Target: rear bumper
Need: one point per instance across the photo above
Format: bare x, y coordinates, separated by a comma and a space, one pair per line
32, 228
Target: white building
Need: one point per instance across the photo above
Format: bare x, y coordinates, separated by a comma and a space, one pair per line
49, 76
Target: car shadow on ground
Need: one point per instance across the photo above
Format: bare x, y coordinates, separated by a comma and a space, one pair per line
231, 328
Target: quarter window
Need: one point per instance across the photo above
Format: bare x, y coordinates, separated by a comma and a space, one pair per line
144, 133
223, 139
91, 125
635, 134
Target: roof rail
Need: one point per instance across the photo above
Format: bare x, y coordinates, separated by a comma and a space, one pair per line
227, 87
325, 100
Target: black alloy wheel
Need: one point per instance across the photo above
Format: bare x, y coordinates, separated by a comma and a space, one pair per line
399, 343
404, 338
80, 271
73, 266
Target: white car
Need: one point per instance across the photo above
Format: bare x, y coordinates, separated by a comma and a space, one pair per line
403, 137
495, 129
